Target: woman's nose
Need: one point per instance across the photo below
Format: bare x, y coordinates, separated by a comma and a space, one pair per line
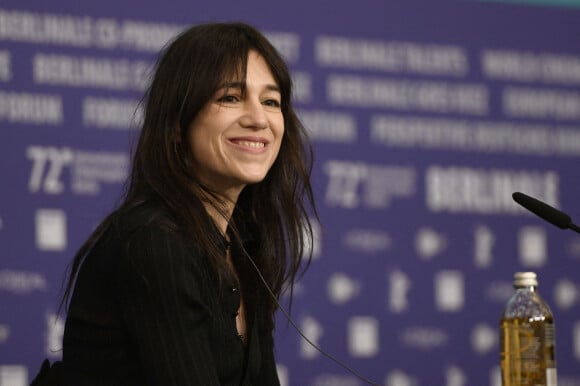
254, 115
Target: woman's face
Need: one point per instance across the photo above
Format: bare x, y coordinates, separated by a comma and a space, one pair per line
236, 137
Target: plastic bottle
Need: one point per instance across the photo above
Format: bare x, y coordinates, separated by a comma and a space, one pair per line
527, 340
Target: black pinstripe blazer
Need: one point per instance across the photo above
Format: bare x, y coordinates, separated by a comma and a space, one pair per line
147, 310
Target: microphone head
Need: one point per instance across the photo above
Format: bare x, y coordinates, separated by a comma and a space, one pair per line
543, 210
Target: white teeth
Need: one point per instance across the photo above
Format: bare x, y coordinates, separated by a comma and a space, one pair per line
251, 144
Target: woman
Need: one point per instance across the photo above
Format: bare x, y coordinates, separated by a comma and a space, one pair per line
165, 291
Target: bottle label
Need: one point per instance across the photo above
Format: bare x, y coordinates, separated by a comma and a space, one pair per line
527, 353
551, 377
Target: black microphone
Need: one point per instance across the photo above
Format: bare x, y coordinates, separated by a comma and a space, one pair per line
545, 211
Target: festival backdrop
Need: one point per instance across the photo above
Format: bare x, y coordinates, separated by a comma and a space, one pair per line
425, 117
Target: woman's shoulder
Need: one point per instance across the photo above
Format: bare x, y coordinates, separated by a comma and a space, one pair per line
147, 214
148, 233
139, 226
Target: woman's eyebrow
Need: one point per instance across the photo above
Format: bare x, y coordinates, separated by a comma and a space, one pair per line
242, 85
273, 87
236, 85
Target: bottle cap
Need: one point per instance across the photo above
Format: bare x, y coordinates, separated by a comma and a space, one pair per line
525, 279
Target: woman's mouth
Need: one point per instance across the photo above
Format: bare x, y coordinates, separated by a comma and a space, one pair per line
252, 144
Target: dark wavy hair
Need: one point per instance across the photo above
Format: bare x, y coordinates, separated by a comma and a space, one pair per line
188, 73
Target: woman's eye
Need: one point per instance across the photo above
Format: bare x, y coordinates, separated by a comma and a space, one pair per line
228, 99
271, 103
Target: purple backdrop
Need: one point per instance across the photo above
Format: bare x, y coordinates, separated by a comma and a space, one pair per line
425, 119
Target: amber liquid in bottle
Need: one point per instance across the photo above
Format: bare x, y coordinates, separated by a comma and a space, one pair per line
527, 352
527, 338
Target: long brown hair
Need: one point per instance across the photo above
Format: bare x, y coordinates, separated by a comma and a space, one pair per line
187, 74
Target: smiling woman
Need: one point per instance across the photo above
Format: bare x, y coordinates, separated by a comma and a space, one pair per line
236, 137
173, 287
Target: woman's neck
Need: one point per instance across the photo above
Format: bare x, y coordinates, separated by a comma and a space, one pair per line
221, 205
221, 216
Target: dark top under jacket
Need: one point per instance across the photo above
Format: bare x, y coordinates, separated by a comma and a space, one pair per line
148, 310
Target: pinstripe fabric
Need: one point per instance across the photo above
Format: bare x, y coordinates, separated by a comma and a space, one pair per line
147, 310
